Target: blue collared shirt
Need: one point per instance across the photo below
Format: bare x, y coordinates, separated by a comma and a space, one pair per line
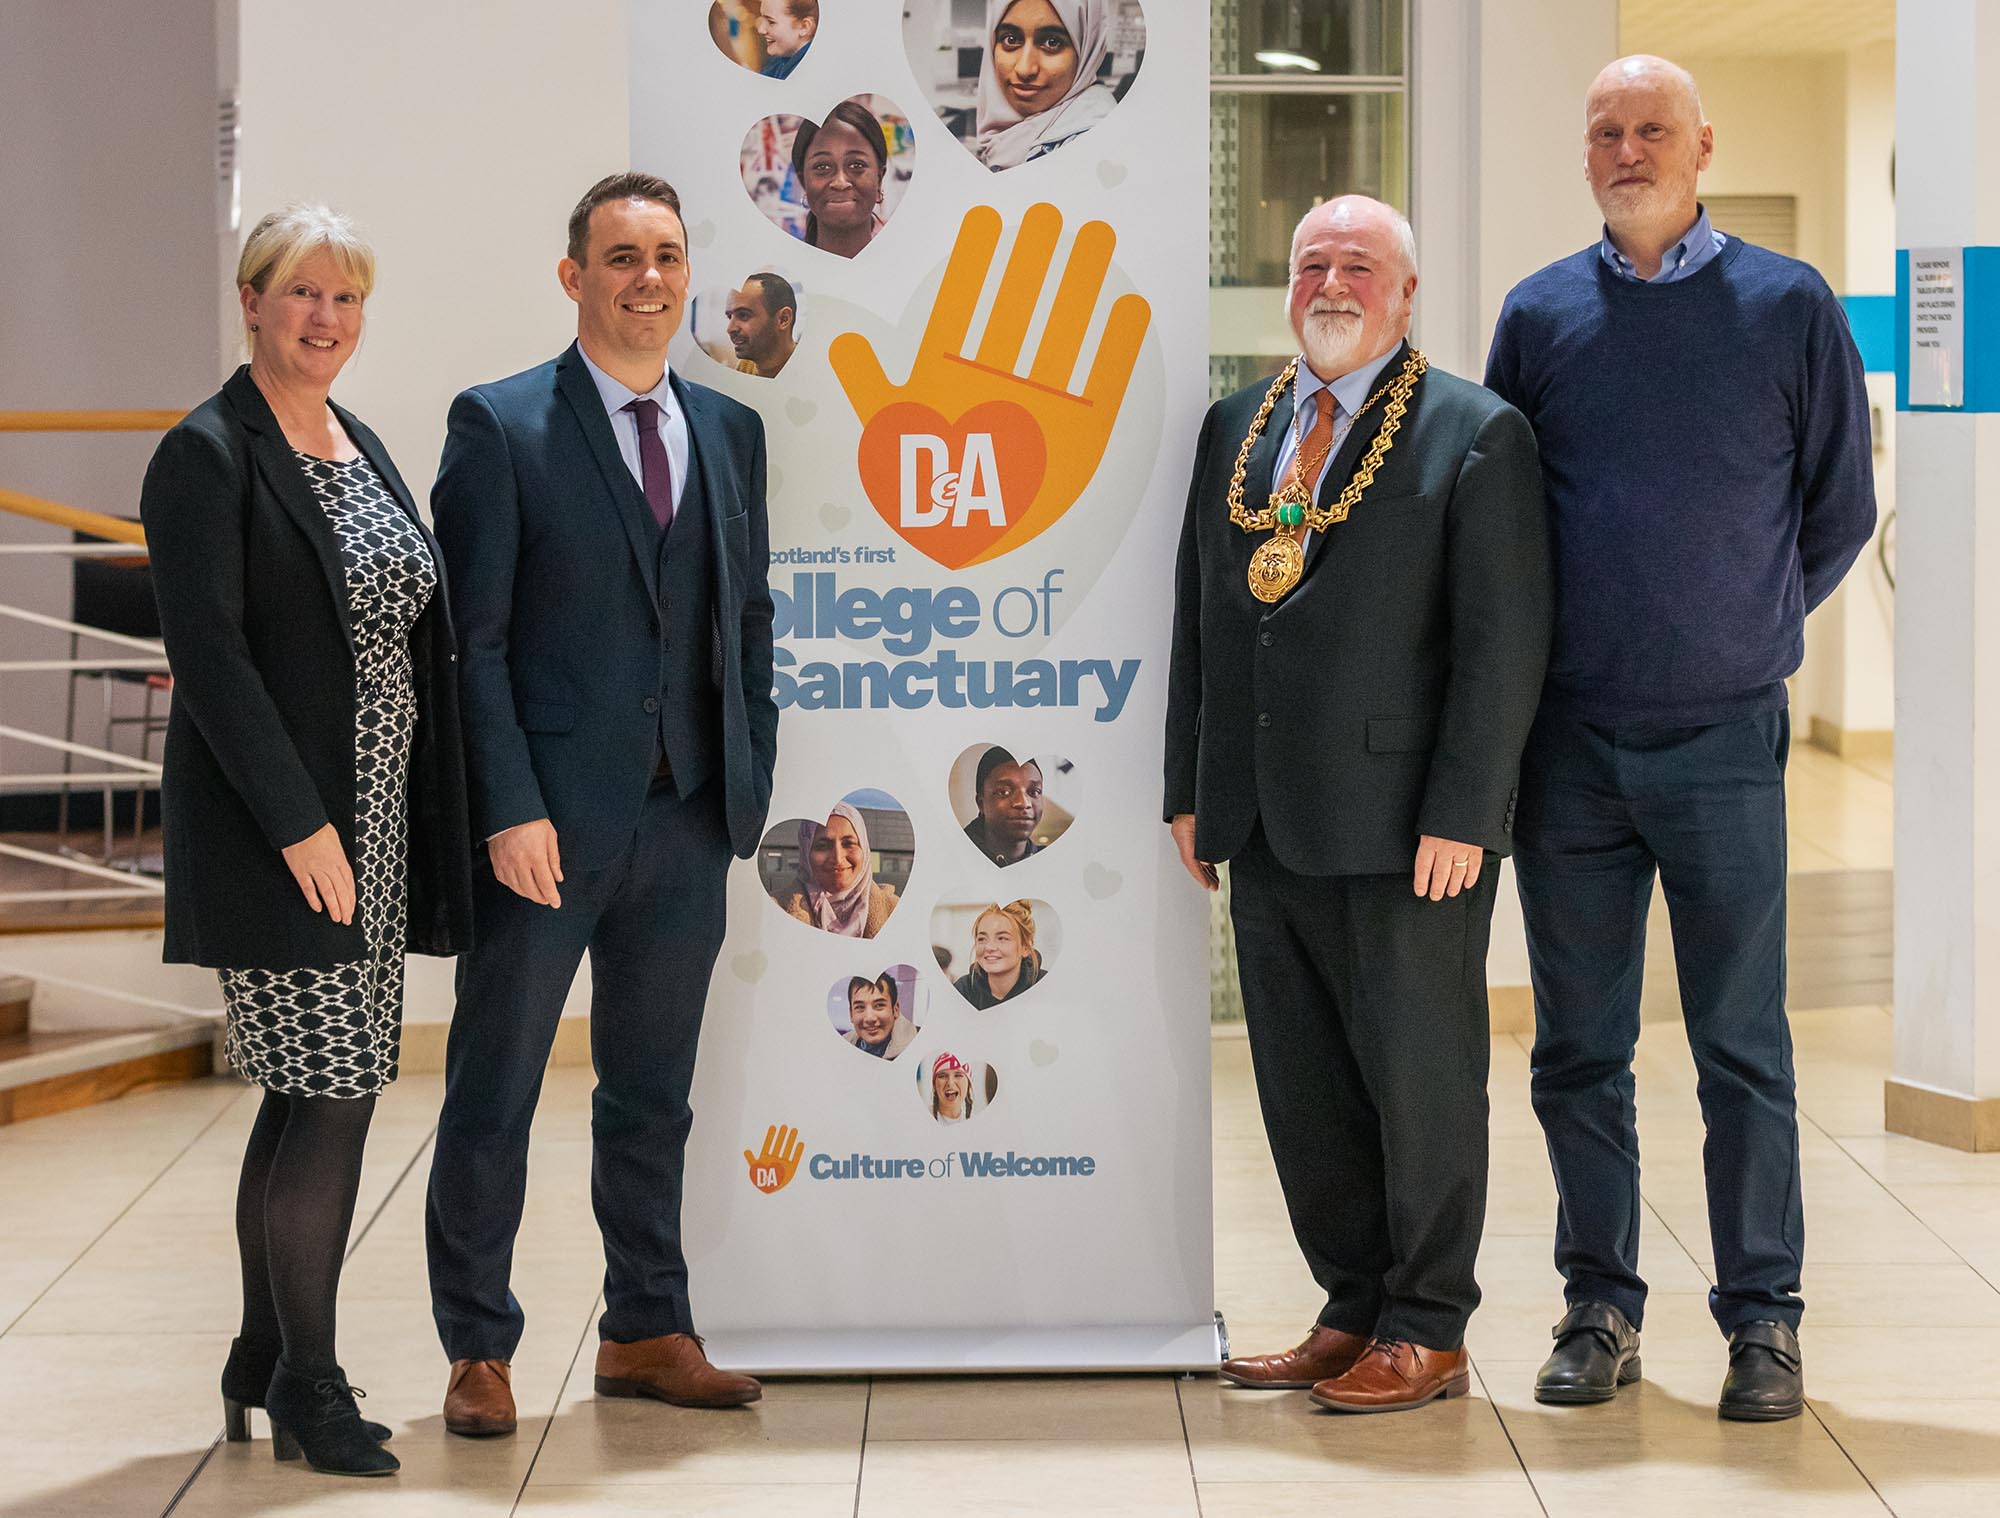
625, 426
1688, 256
1350, 391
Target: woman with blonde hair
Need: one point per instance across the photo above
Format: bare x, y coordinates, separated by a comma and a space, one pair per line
314, 792
1005, 962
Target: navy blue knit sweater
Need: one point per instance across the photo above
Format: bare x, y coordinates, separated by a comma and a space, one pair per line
1706, 450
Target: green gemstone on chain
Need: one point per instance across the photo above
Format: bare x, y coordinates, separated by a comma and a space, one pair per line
1290, 514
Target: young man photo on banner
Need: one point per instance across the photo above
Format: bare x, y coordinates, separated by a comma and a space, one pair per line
1361, 622
603, 522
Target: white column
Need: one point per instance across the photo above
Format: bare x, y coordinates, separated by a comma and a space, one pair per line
1946, 1085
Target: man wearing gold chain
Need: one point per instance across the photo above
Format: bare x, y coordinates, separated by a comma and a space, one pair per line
1362, 612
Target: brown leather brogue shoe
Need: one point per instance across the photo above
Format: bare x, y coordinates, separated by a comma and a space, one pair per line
479, 1399
672, 1368
1325, 1353
1394, 1376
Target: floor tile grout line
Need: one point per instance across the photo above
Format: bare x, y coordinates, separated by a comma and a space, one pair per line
861, 1463
137, 1197
1194, 1479
549, 1423
1889, 1192
1501, 1418
375, 1215
1848, 1455
192, 1477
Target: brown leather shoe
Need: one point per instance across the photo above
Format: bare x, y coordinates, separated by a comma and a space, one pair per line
479, 1399
672, 1368
1326, 1353
1395, 1376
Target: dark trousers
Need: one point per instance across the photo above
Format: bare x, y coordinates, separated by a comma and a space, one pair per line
1601, 810
652, 924
1366, 1007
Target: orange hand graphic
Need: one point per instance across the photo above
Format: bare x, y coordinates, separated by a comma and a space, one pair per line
774, 1168
1045, 440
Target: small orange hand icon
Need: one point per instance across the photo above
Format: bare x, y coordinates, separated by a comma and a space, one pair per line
774, 1168
1048, 440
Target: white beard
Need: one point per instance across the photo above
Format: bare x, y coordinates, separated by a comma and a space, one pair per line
1331, 343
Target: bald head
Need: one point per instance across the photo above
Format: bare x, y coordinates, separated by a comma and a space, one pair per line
1645, 145
1660, 78
1358, 214
1354, 270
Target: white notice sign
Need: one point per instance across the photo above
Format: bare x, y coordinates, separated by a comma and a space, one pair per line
1937, 327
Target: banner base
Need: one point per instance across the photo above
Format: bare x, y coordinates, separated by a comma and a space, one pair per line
972, 1351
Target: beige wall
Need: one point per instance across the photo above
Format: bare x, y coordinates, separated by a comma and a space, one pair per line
464, 132
108, 232
459, 150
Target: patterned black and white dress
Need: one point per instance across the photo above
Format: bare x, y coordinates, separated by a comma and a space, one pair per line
338, 1032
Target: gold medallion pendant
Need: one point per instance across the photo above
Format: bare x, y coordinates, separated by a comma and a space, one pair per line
1279, 563
1276, 566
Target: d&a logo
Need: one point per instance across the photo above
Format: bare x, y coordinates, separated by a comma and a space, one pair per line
969, 459
773, 1169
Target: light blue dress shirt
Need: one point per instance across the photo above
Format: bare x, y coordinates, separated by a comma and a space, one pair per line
1309, 393
1688, 256
625, 426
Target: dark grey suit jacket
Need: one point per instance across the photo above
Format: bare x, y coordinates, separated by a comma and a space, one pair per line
1390, 693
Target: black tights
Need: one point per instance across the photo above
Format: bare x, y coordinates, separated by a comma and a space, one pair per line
294, 1206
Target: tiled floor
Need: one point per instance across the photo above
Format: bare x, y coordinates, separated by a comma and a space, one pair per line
117, 1286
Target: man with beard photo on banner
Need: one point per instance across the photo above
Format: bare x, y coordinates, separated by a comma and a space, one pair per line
603, 523
1361, 621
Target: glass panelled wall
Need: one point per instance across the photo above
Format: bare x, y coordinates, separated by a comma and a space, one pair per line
1309, 100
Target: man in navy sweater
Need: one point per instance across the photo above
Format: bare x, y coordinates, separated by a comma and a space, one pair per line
1704, 435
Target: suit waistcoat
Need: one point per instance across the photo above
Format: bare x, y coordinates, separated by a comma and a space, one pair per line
690, 694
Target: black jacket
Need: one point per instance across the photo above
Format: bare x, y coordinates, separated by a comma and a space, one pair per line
1390, 693
554, 562
260, 746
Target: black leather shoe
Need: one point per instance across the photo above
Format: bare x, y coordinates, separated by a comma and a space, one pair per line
1597, 1351
1766, 1381
246, 1375
316, 1416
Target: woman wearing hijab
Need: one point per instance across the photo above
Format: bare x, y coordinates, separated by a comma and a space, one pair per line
1038, 81
836, 890
1004, 961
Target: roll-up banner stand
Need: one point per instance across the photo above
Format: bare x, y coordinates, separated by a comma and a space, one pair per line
952, 1111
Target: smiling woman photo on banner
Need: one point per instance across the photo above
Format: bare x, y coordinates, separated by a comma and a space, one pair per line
1046, 71
957, 1090
1010, 947
832, 183
842, 875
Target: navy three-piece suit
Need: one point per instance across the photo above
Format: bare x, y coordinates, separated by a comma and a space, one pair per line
617, 681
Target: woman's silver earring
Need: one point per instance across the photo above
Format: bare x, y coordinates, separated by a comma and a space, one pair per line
253, 326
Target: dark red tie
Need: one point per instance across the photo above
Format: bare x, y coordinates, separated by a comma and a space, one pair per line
656, 470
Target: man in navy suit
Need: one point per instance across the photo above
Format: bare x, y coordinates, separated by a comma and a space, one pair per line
603, 522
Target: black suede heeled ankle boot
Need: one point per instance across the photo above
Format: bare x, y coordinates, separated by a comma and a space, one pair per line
246, 1376
316, 1416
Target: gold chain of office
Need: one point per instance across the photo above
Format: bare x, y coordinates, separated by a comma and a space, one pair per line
1279, 561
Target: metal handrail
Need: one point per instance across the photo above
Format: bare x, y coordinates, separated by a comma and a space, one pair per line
123, 537
88, 421
96, 523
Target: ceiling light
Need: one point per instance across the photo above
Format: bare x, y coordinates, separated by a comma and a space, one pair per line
1278, 60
